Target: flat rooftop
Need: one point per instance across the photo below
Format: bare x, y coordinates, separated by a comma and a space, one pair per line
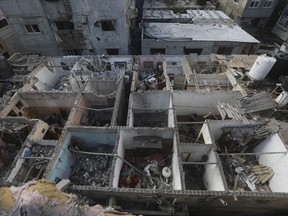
196, 32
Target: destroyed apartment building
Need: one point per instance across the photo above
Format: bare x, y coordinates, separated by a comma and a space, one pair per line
151, 134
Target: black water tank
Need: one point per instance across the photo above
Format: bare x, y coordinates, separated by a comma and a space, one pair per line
280, 68
201, 2
5, 69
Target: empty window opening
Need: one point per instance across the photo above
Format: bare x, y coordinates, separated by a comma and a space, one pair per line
64, 25
112, 51
32, 28
121, 65
19, 105
157, 51
3, 23
225, 50
106, 25
187, 51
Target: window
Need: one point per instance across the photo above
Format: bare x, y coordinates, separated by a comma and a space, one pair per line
283, 23
72, 52
121, 65
268, 3
187, 51
64, 25
106, 25
225, 50
148, 64
157, 51
3, 23
254, 4
112, 51
33, 28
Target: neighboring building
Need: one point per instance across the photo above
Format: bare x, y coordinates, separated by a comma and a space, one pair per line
150, 135
281, 27
71, 27
249, 14
9, 41
196, 31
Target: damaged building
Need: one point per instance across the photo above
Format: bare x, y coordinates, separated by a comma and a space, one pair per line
52, 28
188, 31
152, 134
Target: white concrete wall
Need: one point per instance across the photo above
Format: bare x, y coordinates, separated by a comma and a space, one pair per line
151, 99
278, 162
187, 103
213, 180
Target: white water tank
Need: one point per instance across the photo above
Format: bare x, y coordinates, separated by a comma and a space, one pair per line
261, 67
282, 99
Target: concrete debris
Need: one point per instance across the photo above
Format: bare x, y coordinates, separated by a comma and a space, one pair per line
10, 127
99, 118
151, 119
36, 150
63, 84
93, 170
57, 119
24, 64
235, 140
246, 173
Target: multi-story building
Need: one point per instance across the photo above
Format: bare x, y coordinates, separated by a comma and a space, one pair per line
9, 40
195, 31
70, 27
249, 14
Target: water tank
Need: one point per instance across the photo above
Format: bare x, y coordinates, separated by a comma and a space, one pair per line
282, 99
280, 67
261, 67
5, 70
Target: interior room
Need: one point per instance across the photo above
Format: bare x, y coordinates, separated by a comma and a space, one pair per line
147, 159
87, 157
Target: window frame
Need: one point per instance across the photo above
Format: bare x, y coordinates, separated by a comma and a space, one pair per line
254, 4
267, 2
32, 29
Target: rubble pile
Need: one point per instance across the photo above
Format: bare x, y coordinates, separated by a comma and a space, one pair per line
155, 119
93, 170
99, 118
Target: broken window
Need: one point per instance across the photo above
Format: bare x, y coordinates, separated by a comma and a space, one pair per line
187, 51
112, 51
254, 4
64, 25
283, 23
225, 50
157, 51
268, 3
3, 23
106, 25
6, 55
121, 65
32, 28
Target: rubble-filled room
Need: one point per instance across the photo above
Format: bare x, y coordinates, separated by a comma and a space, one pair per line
150, 74
253, 158
33, 161
151, 109
86, 157
52, 108
200, 167
147, 159
92, 110
13, 134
